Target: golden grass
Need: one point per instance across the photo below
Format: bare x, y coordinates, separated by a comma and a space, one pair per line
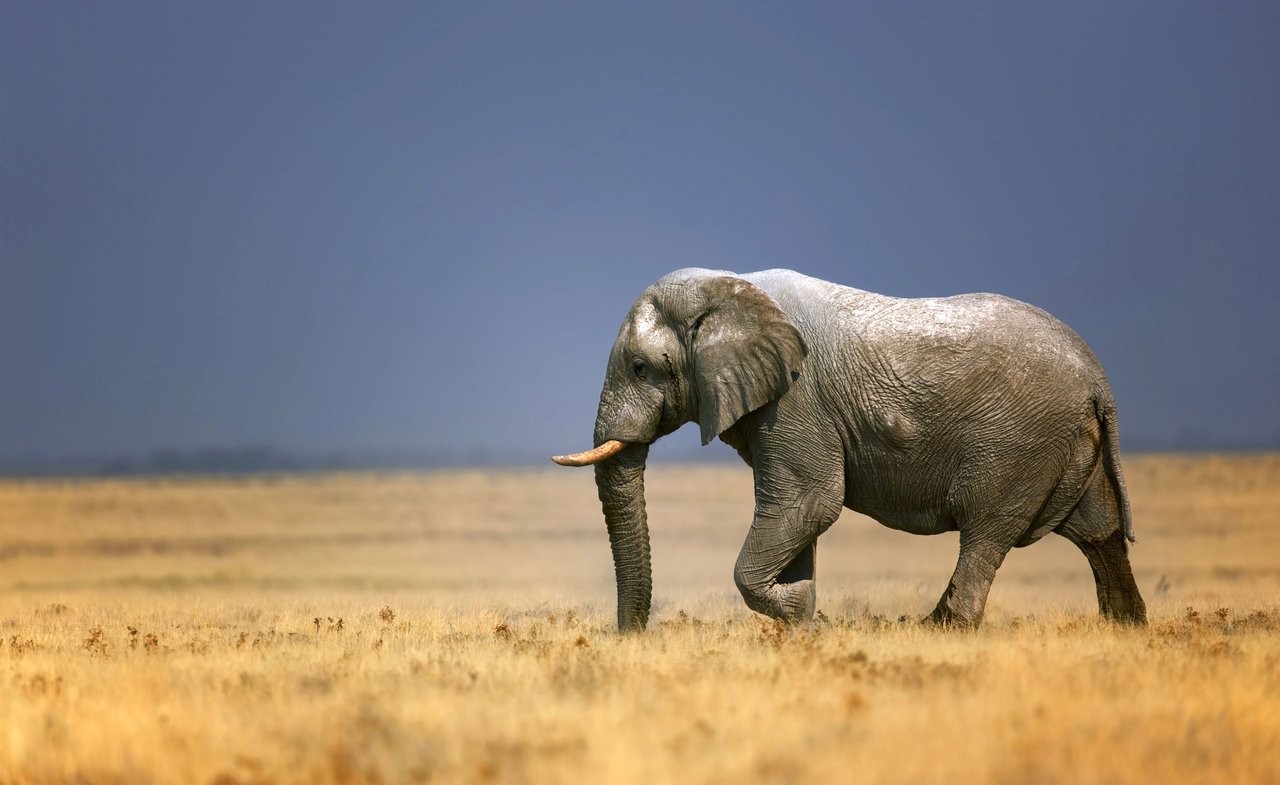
457, 627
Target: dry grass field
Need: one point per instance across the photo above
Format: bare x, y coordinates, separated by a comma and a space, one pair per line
458, 627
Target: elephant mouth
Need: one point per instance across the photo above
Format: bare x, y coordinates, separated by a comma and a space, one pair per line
606, 450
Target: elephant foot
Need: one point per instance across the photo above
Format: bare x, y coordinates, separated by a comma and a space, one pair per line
1128, 610
797, 601
943, 618
954, 612
1131, 620
793, 603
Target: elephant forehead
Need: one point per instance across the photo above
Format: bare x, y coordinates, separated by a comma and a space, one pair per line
645, 321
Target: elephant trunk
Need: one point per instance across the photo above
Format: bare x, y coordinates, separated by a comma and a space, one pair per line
620, 482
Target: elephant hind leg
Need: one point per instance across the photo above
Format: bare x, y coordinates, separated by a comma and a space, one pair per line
1094, 527
1118, 596
965, 599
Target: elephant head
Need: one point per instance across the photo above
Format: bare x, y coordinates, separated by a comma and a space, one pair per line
698, 345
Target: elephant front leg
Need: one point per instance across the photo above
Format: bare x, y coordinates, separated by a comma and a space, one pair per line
776, 570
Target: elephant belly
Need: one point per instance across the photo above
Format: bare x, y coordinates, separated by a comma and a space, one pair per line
917, 523
927, 520
900, 496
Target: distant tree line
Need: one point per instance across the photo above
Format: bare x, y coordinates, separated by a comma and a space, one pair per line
261, 459
243, 459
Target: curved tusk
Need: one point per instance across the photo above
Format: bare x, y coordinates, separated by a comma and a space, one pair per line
606, 450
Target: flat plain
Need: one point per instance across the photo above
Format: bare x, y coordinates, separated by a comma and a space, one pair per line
458, 627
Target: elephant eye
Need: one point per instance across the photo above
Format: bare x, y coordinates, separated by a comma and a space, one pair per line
639, 367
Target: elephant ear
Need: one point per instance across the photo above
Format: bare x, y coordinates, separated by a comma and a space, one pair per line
745, 353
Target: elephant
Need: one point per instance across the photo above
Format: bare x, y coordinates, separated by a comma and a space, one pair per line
974, 413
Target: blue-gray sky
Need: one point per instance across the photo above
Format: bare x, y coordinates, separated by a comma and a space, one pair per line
417, 226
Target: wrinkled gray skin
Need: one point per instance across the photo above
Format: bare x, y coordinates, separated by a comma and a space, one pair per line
975, 413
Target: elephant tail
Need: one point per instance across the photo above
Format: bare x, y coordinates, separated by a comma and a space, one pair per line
1105, 409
